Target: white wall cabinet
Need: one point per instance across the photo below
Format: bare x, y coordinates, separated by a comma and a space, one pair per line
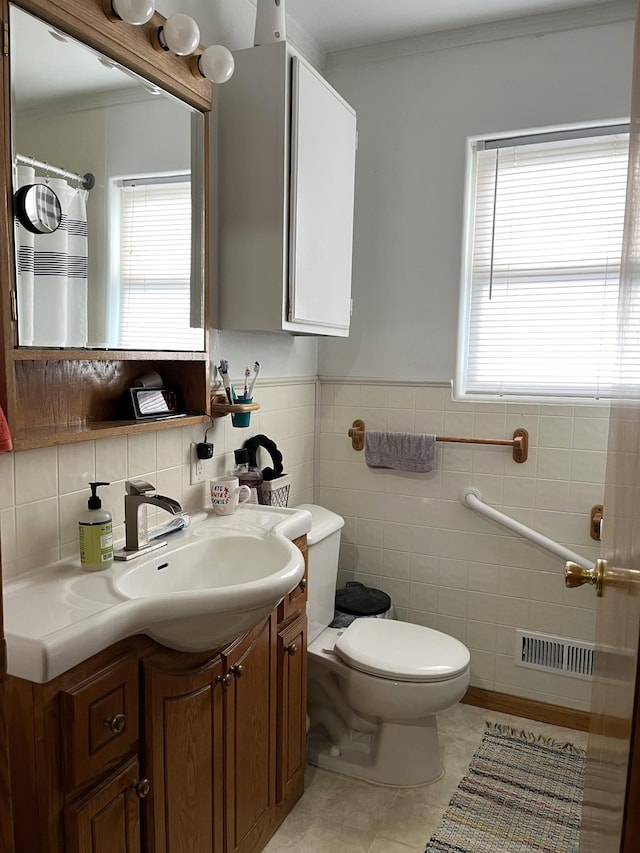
287, 144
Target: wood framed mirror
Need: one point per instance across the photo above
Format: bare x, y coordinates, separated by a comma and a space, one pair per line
55, 387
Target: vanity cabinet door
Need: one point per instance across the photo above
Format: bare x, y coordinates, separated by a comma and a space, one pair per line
183, 755
250, 718
294, 603
108, 819
292, 709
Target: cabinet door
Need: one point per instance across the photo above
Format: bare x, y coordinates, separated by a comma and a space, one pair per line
294, 603
184, 757
250, 716
292, 709
323, 153
108, 819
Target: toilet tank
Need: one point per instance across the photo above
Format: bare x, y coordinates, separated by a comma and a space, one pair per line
323, 542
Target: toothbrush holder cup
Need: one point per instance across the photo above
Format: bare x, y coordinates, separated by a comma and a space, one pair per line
241, 419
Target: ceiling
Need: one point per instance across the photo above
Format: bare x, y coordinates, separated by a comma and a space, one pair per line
343, 24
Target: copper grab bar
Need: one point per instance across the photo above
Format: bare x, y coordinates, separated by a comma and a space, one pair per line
519, 442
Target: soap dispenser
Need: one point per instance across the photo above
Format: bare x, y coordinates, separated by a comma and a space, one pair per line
247, 474
96, 534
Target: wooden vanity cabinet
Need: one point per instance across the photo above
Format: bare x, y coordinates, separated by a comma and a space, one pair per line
142, 749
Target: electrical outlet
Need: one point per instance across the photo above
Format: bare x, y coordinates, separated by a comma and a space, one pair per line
197, 466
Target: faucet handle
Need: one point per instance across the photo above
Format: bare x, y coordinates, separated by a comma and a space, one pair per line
139, 487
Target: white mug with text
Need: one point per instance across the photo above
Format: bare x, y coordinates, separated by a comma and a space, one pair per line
227, 495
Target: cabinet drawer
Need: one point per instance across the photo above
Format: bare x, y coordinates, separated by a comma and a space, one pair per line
99, 721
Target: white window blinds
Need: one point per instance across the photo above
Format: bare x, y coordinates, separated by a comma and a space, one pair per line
155, 265
541, 284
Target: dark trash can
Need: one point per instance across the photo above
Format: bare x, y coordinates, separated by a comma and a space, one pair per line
356, 601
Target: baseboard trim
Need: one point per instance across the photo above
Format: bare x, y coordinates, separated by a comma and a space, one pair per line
518, 706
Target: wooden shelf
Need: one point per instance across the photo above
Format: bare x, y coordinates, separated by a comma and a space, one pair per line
29, 439
220, 407
35, 354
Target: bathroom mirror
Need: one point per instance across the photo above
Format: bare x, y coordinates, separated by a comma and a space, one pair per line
125, 269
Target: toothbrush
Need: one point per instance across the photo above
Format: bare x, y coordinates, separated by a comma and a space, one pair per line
224, 372
256, 370
247, 374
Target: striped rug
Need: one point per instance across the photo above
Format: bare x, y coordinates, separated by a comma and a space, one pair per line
522, 794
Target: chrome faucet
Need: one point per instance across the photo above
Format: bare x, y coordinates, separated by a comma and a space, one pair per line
139, 493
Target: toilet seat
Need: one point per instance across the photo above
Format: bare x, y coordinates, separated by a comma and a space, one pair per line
401, 651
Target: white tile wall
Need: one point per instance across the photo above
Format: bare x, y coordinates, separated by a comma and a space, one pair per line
408, 534
443, 565
43, 491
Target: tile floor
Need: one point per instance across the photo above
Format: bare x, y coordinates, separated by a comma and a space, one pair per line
339, 813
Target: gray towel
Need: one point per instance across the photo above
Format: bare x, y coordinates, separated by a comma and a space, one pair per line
400, 450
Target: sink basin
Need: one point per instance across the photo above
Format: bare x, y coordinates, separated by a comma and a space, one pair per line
209, 591
210, 584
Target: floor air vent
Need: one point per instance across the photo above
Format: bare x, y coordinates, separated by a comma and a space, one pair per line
554, 654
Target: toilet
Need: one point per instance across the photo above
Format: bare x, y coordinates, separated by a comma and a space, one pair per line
374, 687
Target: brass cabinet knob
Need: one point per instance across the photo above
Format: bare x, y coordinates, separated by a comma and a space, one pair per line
291, 649
117, 723
142, 788
224, 680
237, 670
303, 584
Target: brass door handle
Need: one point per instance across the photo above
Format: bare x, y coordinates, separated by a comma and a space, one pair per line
225, 680
291, 649
237, 670
117, 723
599, 576
575, 575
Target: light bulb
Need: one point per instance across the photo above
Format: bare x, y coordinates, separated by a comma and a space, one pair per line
134, 11
216, 63
180, 35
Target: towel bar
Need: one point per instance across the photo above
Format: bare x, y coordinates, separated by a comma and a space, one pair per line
519, 442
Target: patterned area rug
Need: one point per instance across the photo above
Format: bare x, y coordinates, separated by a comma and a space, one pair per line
522, 794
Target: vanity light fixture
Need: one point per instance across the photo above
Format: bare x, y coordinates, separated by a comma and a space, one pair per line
216, 63
180, 34
135, 12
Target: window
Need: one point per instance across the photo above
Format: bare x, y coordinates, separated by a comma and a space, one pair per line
155, 265
542, 267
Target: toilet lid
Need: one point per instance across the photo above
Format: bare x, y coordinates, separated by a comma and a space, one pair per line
401, 650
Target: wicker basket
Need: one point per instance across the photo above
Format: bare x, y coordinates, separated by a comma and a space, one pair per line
275, 492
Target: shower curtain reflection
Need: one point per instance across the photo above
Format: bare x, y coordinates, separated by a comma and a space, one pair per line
52, 271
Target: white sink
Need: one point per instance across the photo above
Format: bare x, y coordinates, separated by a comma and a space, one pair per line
210, 584
211, 590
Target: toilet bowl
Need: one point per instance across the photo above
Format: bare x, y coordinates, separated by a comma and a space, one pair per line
374, 687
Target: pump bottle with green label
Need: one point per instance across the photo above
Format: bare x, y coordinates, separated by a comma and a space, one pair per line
96, 534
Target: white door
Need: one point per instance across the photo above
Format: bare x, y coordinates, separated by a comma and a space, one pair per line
611, 811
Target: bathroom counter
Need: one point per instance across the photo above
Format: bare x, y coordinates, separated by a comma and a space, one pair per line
60, 615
